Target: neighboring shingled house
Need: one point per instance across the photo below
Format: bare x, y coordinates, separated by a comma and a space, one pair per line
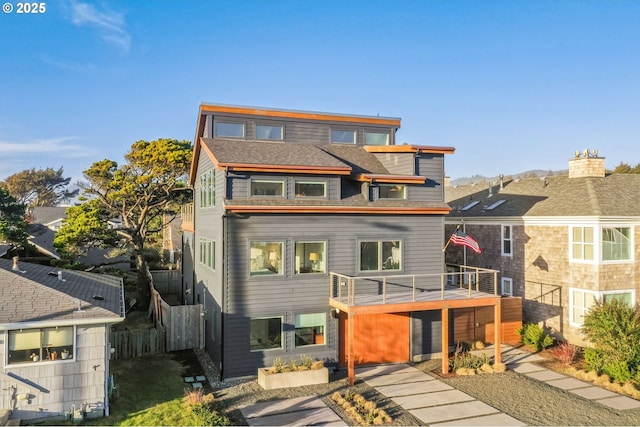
45, 221
297, 215
54, 340
560, 242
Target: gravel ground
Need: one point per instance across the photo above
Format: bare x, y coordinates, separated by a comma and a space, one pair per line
528, 400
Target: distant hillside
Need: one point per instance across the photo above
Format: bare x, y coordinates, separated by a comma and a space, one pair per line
477, 179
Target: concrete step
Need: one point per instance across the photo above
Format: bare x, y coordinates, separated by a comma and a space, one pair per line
4, 416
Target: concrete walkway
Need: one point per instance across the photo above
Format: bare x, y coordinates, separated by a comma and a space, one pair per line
430, 400
522, 363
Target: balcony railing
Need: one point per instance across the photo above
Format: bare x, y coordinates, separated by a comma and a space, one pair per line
468, 282
187, 216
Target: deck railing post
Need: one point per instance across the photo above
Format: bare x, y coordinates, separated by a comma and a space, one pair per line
495, 283
442, 286
414, 287
384, 290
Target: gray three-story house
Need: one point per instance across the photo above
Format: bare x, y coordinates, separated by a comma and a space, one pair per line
295, 216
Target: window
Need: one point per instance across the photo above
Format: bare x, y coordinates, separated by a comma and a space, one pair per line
310, 257
267, 188
616, 244
506, 286
310, 189
208, 253
582, 243
376, 256
506, 240
208, 189
270, 132
231, 130
310, 329
580, 301
265, 334
37, 345
388, 191
377, 138
266, 258
343, 136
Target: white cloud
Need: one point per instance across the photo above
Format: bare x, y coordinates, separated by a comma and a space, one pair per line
59, 147
108, 23
68, 66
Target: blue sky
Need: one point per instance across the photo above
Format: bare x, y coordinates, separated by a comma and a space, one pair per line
512, 85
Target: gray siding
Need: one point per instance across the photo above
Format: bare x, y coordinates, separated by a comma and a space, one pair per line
57, 386
398, 163
249, 297
207, 283
300, 131
432, 167
239, 185
426, 334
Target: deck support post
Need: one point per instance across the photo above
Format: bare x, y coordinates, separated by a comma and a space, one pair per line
351, 362
445, 340
497, 320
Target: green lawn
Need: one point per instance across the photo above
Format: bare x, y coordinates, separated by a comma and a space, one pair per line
150, 392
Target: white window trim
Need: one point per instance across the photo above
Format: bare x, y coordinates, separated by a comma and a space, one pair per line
503, 281
503, 239
598, 295
631, 245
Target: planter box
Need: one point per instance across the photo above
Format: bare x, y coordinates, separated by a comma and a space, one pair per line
292, 379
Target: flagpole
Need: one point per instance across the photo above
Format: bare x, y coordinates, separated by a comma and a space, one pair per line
449, 241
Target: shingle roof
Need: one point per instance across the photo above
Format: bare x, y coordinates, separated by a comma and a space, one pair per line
612, 195
38, 294
47, 214
270, 153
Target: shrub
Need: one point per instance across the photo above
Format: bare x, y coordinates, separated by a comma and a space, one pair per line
535, 336
613, 327
201, 406
468, 360
361, 410
565, 352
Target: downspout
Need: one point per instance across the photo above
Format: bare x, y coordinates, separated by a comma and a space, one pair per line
223, 280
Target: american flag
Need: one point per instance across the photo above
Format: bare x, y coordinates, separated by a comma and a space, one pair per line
462, 239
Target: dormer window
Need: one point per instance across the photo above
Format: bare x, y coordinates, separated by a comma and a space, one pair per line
376, 138
229, 130
275, 133
389, 191
343, 136
310, 189
267, 188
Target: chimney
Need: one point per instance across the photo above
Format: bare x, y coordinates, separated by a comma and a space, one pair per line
447, 181
586, 165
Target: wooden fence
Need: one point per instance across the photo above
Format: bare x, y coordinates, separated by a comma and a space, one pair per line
167, 281
128, 344
184, 326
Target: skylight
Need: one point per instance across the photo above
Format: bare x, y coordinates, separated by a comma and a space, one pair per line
495, 205
470, 205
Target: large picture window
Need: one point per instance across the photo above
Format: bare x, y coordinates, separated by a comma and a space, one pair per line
582, 243
41, 345
310, 329
381, 255
581, 300
616, 244
266, 258
310, 257
265, 333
